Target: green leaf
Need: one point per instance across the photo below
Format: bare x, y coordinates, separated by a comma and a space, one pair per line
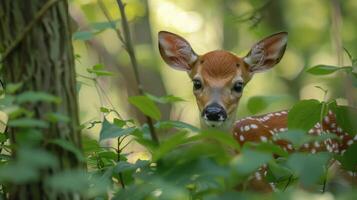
36, 158
90, 145
326, 69
98, 70
32, 96
17, 173
11, 88
5, 157
123, 166
164, 99
104, 110
101, 26
3, 138
268, 147
83, 35
308, 167
66, 145
304, 115
57, 117
27, 165
121, 123
296, 137
346, 118
146, 105
69, 181
249, 161
112, 131
28, 123
168, 145
349, 158
257, 104
278, 172
224, 138
175, 124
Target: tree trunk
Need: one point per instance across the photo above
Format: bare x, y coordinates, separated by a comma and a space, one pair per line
43, 61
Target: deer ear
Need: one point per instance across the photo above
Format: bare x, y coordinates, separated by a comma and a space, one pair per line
176, 51
266, 53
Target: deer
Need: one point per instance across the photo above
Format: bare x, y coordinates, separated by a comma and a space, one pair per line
219, 78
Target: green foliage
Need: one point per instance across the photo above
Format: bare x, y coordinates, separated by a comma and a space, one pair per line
27, 166
110, 130
257, 104
31, 96
308, 167
28, 122
98, 70
146, 105
349, 158
95, 28
326, 69
164, 99
346, 117
64, 144
188, 163
245, 165
304, 115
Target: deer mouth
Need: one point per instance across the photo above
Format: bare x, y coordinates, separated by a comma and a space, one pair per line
214, 124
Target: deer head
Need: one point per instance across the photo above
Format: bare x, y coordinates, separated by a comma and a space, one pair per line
219, 76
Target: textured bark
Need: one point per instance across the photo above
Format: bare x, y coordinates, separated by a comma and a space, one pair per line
42, 61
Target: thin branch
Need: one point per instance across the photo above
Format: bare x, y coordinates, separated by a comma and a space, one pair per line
130, 49
28, 28
255, 15
336, 27
121, 179
109, 18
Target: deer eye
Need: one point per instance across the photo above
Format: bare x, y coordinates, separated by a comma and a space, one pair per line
238, 87
197, 84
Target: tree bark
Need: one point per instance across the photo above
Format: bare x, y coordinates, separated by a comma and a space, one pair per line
43, 61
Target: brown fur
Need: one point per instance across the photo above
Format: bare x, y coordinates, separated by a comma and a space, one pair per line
219, 65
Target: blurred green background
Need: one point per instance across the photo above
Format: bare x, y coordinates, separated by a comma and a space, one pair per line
315, 29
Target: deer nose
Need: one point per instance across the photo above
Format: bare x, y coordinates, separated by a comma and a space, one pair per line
214, 112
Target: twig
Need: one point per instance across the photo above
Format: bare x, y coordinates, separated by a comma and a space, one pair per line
337, 40
121, 179
130, 49
28, 28
109, 18
254, 14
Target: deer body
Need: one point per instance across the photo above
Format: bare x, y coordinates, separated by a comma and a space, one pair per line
218, 80
263, 128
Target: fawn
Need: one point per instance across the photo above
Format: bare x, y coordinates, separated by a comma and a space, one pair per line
219, 78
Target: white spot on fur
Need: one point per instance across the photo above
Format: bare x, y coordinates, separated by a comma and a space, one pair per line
246, 128
241, 138
327, 120
316, 144
350, 142
253, 126
263, 138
